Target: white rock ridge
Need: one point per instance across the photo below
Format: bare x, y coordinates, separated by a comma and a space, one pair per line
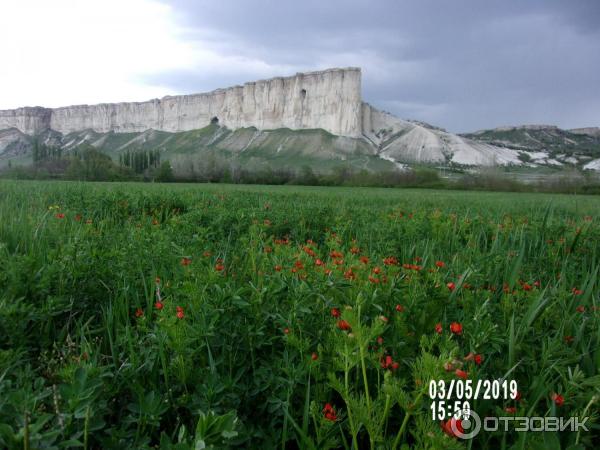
328, 99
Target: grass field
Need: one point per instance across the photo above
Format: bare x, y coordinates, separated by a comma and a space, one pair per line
213, 316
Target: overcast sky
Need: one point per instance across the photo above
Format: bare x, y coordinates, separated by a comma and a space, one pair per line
460, 64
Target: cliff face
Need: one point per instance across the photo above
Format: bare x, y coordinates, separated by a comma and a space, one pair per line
328, 99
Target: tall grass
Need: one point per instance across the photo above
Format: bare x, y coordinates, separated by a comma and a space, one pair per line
244, 347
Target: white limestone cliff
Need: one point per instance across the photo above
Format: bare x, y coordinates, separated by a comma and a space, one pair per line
328, 99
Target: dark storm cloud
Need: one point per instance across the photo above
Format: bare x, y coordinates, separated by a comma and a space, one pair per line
460, 64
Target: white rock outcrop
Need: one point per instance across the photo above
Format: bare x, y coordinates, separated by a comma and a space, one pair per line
328, 99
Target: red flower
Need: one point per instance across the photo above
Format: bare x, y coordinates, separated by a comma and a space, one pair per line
376, 270
558, 399
354, 250
526, 287
343, 325
364, 260
314, 356
318, 262
386, 362
390, 261
461, 374
278, 268
180, 314
379, 340
219, 267
78, 217
569, 339
395, 365
576, 291
349, 275
329, 413
335, 312
383, 319
268, 249
440, 264
478, 359
159, 305
139, 312
448, 425
456, 328
374, 280
299, 264
451, 286
335, 254
286, 331
580, 309
59, 215
438, 328
399, 308
186, 261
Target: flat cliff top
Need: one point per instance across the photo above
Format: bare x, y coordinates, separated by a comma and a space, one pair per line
214, 91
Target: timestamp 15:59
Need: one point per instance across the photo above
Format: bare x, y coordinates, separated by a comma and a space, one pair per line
442, 410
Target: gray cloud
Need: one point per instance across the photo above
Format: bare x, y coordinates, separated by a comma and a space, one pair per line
462, 64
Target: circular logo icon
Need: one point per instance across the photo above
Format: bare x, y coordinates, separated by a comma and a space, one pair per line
469, 426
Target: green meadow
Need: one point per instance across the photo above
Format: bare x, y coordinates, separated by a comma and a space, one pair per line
192, 316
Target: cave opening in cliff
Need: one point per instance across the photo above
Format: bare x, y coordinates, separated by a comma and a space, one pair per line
214, 121
303, 93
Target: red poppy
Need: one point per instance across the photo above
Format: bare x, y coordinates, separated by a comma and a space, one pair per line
139, 312
349, 275
278, 268
379, 340
159, 305
461, 374
390, 261
314, 356
386, 362
364, 259
580, 309
376, 270
399, 308
395, 365
335, 254
438, 328
335, 312
383, 319
558, 399
440, 264
576, 291
452, 423
526, 287
180, 314
268, 249
59, 215
286, 331
186, 261
456, 328
343, 325
206, 254
78, 217
374, 280
451, 286
219, 267
329, 413
318, 262
478, 359
354, 250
